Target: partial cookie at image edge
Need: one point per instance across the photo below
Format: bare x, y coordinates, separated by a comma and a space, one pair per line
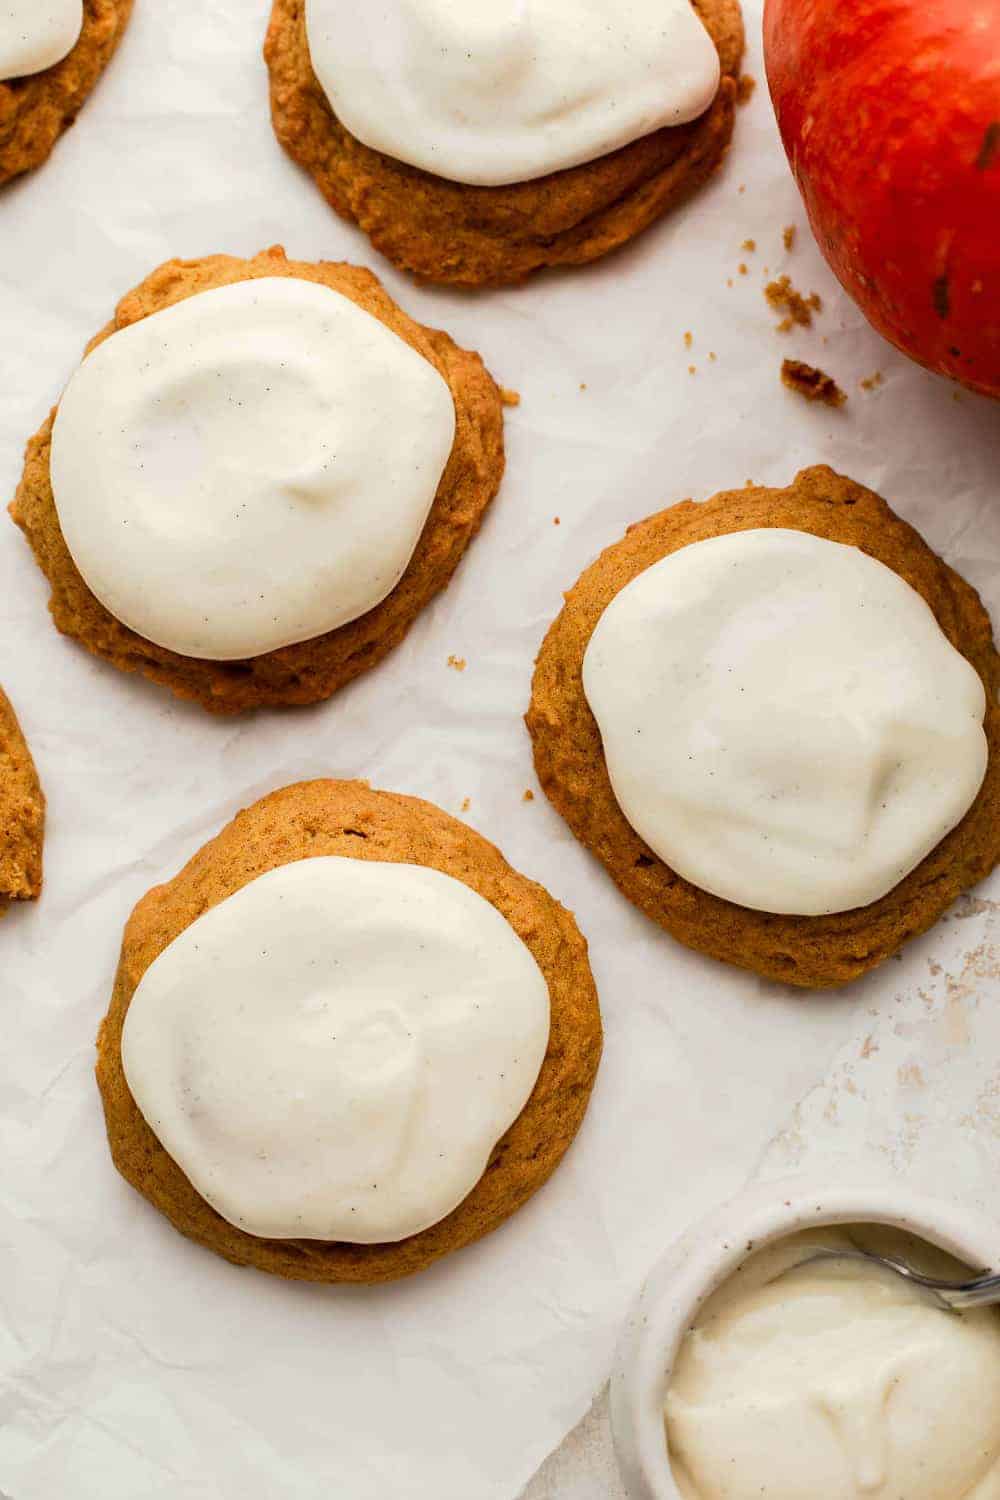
493, 236
22, 814
35, 111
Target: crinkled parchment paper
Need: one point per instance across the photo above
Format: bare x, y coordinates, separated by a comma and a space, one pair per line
135, 1366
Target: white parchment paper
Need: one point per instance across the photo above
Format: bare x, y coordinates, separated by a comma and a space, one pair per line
135, 1366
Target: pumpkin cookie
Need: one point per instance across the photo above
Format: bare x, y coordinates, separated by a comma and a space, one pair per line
378, 468
36, 108
847, 811
475, 235
275, 854
22, 814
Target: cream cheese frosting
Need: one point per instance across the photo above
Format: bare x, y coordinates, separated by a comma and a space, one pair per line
784, 722
489, 92
37, 34
836, 1380
333, 1052
249, 468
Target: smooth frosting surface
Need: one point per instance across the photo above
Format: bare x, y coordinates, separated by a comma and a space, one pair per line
249, 468
784, 722
333, 1052
37, 34
489, 92
837, 1380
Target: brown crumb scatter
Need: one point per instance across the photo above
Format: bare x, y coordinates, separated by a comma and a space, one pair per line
692, 369
555, 520
688, 340
742, 187
743, 268
745, 88
872, 382
583, 385
529, 795
799, 310
712, 357
788, 235
749, 245
510, 398
811, 383
466, 803
459, 663
729, 281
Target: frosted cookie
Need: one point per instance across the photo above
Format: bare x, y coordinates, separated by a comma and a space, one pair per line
347, 1038
259, 476
22, 814
477, 143
52, 52
773, 717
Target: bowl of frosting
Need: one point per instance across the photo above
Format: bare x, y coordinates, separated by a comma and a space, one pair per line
752, 1365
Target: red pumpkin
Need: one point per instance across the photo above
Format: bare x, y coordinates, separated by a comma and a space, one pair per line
890, 115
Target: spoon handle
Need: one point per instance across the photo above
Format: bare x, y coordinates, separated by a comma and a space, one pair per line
979, 1293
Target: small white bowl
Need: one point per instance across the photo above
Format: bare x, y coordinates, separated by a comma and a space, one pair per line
707, 1254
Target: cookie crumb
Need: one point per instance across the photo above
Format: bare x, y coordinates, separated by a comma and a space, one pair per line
688, 340
529, 795
713, 357
729, 281
692, 369
749, 245
745, 89
813, 384
798, 310
788, 235
872, 382
459, 663
555, 520
583, 385
743, 268
466, 804
508, 397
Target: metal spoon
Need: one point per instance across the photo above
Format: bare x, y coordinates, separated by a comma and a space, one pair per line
951, 1296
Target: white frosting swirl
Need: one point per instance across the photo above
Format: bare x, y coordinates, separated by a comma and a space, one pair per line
489, 92
836, 1381
784, 722
333, 1052
37, 34
248, 468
